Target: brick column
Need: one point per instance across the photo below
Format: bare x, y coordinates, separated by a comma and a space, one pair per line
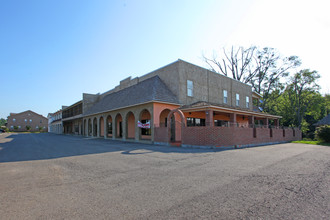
265, 122
233, 119
209, 118
277, 122
251, 121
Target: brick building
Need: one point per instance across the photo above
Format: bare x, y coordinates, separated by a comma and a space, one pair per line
27, 121
183, 104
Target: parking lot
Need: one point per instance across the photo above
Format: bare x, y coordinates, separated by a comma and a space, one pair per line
48, 176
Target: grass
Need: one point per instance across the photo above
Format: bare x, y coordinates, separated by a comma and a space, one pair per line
312, 142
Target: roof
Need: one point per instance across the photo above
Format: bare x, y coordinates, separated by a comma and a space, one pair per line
15, 114
225, 108
151, 89
324, 121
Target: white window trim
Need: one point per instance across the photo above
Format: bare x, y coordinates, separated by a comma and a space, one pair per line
190, 88
237, 99
225, 96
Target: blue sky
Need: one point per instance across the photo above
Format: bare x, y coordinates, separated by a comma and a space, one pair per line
53, 51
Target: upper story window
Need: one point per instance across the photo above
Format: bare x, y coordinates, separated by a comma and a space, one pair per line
25, 120
14, 119
247, 102
30, 120
237, 99
225, 96
190, 88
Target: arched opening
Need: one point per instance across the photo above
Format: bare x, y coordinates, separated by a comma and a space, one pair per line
109, 126
175, 126
145, 118
94, 127
163, 118
101, 127
119, 126
130, 125
89, 127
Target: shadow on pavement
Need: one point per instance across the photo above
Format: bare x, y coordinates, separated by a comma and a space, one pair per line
16, 147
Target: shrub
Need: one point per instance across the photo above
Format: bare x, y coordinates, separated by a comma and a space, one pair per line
322, 133
28, 127
15, 127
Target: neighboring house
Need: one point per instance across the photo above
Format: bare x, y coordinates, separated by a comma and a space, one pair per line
27, 119
182, 103
55, 122
323, 121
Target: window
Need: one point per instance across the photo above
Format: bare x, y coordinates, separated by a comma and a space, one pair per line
195, 122
247, 102
14, 119
30, 120
145, 131
11, 126
190, 88
25, 120
225, 97
19, 126
237, 99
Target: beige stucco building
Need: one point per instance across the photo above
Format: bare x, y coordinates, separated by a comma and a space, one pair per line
184, 104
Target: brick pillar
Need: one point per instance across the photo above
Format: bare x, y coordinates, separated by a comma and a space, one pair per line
105, 126
277, 122
209, 118
233, 119
265, 122
251, 121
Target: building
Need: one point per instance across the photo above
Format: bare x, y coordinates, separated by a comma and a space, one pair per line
55, 122
27, 121
180, 103
323, 121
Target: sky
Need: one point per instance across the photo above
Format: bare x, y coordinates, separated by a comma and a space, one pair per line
53, 51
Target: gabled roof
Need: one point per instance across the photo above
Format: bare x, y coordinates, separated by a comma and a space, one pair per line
152, 89
25, 112
324, 121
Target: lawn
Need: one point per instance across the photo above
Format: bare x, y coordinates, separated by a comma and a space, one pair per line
312, 142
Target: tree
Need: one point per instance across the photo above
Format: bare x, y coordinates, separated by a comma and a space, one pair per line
269, 67
3, 122
235, 63
301, 90
262, 68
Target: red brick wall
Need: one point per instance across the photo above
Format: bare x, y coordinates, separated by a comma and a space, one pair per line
228, 136
160, 134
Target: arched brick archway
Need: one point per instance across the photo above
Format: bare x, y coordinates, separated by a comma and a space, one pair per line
94, 127
119, 126
176, 121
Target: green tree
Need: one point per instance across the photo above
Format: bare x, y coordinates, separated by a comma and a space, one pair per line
3, 122
301, 94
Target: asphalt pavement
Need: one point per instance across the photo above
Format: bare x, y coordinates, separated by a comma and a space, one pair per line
48, 176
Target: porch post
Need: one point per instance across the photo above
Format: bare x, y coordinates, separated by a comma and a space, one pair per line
233, 119
251, 120
209, 118
277, 122
266, 122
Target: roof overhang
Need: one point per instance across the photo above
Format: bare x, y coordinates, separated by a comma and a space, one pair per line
230, 110
256, 95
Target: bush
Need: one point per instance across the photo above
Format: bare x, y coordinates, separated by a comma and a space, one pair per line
322, 133
28, 128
